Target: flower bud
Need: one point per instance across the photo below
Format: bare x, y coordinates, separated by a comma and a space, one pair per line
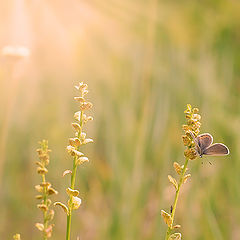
67, 172
186, 140
43, 207
190, 153
85, 106
72, 192
39, 188
42, 171
167, 218
81, 160
79, 99
76, 127
39, 226
52, 191
177, 168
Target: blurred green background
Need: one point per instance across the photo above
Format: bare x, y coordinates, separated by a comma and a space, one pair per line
143, 62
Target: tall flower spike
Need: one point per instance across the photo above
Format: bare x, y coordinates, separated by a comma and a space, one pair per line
45, 189
191, 127
73, 149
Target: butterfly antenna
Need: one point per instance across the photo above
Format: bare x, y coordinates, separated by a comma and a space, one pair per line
209, 162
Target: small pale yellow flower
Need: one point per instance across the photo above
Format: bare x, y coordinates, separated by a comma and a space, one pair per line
39, 226
76, 202
72, 192
86, 106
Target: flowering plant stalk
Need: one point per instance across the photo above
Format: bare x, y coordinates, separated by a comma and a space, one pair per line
45, 190
73, 149
192, 127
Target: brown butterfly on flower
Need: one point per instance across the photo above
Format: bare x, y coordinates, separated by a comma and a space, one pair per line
204, 145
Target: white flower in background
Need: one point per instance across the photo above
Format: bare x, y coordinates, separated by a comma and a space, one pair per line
15, 51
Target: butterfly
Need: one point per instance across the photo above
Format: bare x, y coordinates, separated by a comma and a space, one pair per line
204, 145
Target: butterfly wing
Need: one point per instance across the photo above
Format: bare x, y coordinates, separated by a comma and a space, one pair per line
196, 143
204, 141
217, 149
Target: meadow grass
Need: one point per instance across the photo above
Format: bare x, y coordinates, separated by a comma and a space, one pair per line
45, 190
79, 158
191, 127
142, 75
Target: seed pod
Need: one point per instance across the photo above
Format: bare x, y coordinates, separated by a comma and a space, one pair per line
76, 202
39, 188
88, 140
81, 86
39, 197
76, 127
177, 168
72, 192
73, 152
86, 106
77, 116
79, 99
190, 153
52, 191
186, 178
81, 160
173, 181
167, 218
177, 226
40, 164
45, 184
48, 230
67, 172
50, 215
43, 207
39, 226
175, 236
42, 171
186, 140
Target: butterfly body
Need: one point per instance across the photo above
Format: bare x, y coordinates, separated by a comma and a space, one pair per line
204, 146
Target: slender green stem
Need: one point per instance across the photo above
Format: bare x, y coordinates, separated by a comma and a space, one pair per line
69, 217
73, 178
45, 202
176, 198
